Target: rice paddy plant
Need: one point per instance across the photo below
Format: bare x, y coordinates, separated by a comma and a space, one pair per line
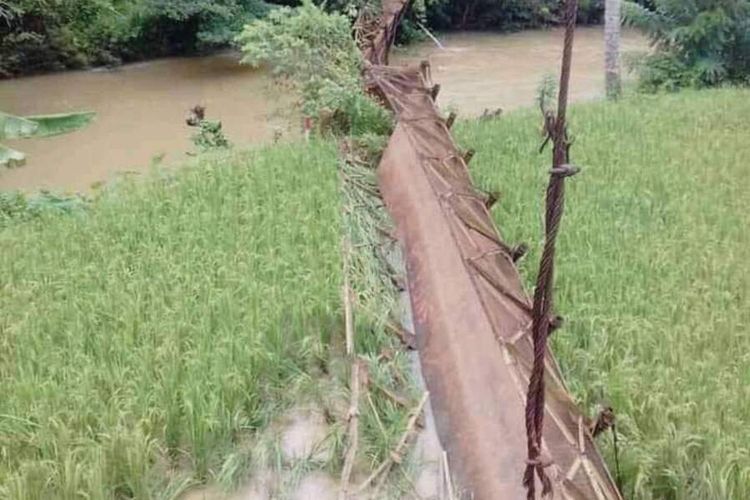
149, 337
653, 276
146, 337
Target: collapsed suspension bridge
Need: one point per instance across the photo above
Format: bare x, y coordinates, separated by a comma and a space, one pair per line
474, 320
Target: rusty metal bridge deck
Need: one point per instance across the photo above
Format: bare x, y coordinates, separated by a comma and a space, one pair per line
471, 312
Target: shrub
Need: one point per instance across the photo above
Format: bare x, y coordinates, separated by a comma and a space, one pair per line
314, 52
699, 43
17, 206
506, 15
210, 136
38, 35
190, 25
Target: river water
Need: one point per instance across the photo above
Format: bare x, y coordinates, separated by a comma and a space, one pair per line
141, 108
479, 71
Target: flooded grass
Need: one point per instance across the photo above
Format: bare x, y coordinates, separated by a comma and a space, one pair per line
653, 276
143, 339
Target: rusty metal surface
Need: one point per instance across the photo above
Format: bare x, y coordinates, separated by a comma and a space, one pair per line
375, 33
471, 313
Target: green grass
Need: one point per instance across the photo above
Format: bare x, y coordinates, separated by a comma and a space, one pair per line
146, 340
142, 339
653, 276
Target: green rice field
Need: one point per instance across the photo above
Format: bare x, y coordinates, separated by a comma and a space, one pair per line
653, 276
144, 337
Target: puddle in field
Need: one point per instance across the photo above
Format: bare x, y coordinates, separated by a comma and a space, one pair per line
141, 107
299, 474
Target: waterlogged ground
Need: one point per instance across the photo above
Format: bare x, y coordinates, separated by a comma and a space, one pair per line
141, 108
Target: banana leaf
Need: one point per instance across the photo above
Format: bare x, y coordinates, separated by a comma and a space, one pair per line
11, 158
61, 123
13, 127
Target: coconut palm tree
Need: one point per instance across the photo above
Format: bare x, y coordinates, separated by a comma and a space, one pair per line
612, 24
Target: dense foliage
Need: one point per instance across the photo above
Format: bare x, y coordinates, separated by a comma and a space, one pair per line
501, 14
699, 42
36, 35
314, 51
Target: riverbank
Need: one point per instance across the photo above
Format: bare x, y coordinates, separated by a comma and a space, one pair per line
141, 107
140, 117
37, 37
155, 339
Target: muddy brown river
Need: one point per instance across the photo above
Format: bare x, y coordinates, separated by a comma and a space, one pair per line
141, 108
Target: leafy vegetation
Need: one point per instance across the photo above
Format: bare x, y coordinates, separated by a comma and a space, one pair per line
313, 51
210, 136
699, 43
653, 276
149, 336
14, 127
164, 324
505, 15
37, 35
15, 206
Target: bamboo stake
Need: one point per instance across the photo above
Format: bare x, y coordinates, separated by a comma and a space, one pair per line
348, 313
395, 455
352, 430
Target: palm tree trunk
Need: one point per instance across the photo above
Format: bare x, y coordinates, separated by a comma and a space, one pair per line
612, 48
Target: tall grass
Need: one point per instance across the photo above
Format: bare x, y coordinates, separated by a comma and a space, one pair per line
144, 338
653, 276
